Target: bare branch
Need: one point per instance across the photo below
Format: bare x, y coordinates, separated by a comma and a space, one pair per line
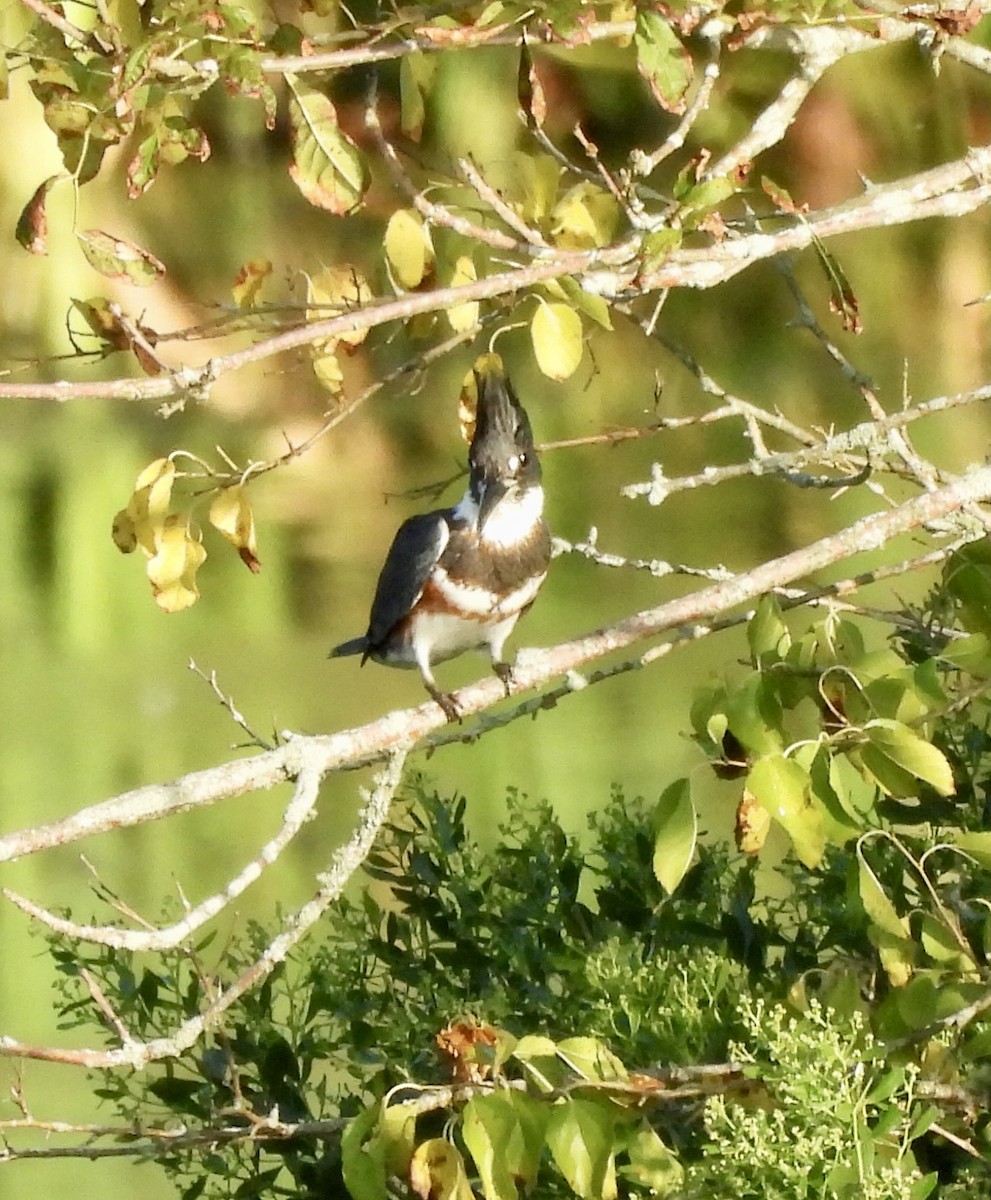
56, 20
332, 882
297, 813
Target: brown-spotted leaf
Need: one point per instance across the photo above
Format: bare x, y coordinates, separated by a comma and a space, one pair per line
231, 513
105, 323
327, 167
842, 299
32, 225
468, 406
753, 822
662, 60
124, 533
118, 259
437, 1172
249, 281
530, 91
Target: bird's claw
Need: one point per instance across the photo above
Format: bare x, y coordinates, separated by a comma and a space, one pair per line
447, 703
505, 672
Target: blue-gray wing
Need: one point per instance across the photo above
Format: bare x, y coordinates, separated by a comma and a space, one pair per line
414, 552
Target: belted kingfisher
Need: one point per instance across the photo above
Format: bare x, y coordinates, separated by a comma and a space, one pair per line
459, 578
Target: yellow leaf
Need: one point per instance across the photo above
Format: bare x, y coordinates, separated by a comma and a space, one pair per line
231, 513
463, 317
437, 1172
334, 290
249, 281
556, 332
172, 569
150, 501
753, 822
408, 248
585, 217
153, 471
485, 364
327, 366
467, 406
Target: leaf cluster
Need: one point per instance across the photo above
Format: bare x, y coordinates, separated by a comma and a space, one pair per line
603, 1032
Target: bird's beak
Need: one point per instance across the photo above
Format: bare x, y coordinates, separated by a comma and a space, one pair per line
492, 492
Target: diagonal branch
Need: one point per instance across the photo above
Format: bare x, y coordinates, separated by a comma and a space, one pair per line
534, 668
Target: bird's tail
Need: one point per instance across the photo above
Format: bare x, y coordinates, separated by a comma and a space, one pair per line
358, 645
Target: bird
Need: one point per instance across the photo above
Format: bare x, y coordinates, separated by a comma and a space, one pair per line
460, 578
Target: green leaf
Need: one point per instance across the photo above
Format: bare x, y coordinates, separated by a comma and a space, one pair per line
652, 1165
585, 217
767, 633
841, 822
540, 1059
556, 333
580, 1137
416, 73
397, 1136
841, 296
971, 654
658, 247
119, 260
973, 842
754, 713
662, 60
675, 826
594, 307
887, 930
363, 1157
944, 946
924, 1187
327, 167
781, 786
967, 578
911, 753
504, 1134
886, 1086
488, 1128
857, 795
591, 1059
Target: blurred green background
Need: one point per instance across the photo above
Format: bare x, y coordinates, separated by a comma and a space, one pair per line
96, 694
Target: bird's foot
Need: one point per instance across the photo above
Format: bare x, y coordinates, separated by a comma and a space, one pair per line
447, 703
505, 672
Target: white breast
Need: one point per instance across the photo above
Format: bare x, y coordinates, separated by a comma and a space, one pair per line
513, 520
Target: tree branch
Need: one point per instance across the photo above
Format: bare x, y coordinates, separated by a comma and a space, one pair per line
533, 669
347, 860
